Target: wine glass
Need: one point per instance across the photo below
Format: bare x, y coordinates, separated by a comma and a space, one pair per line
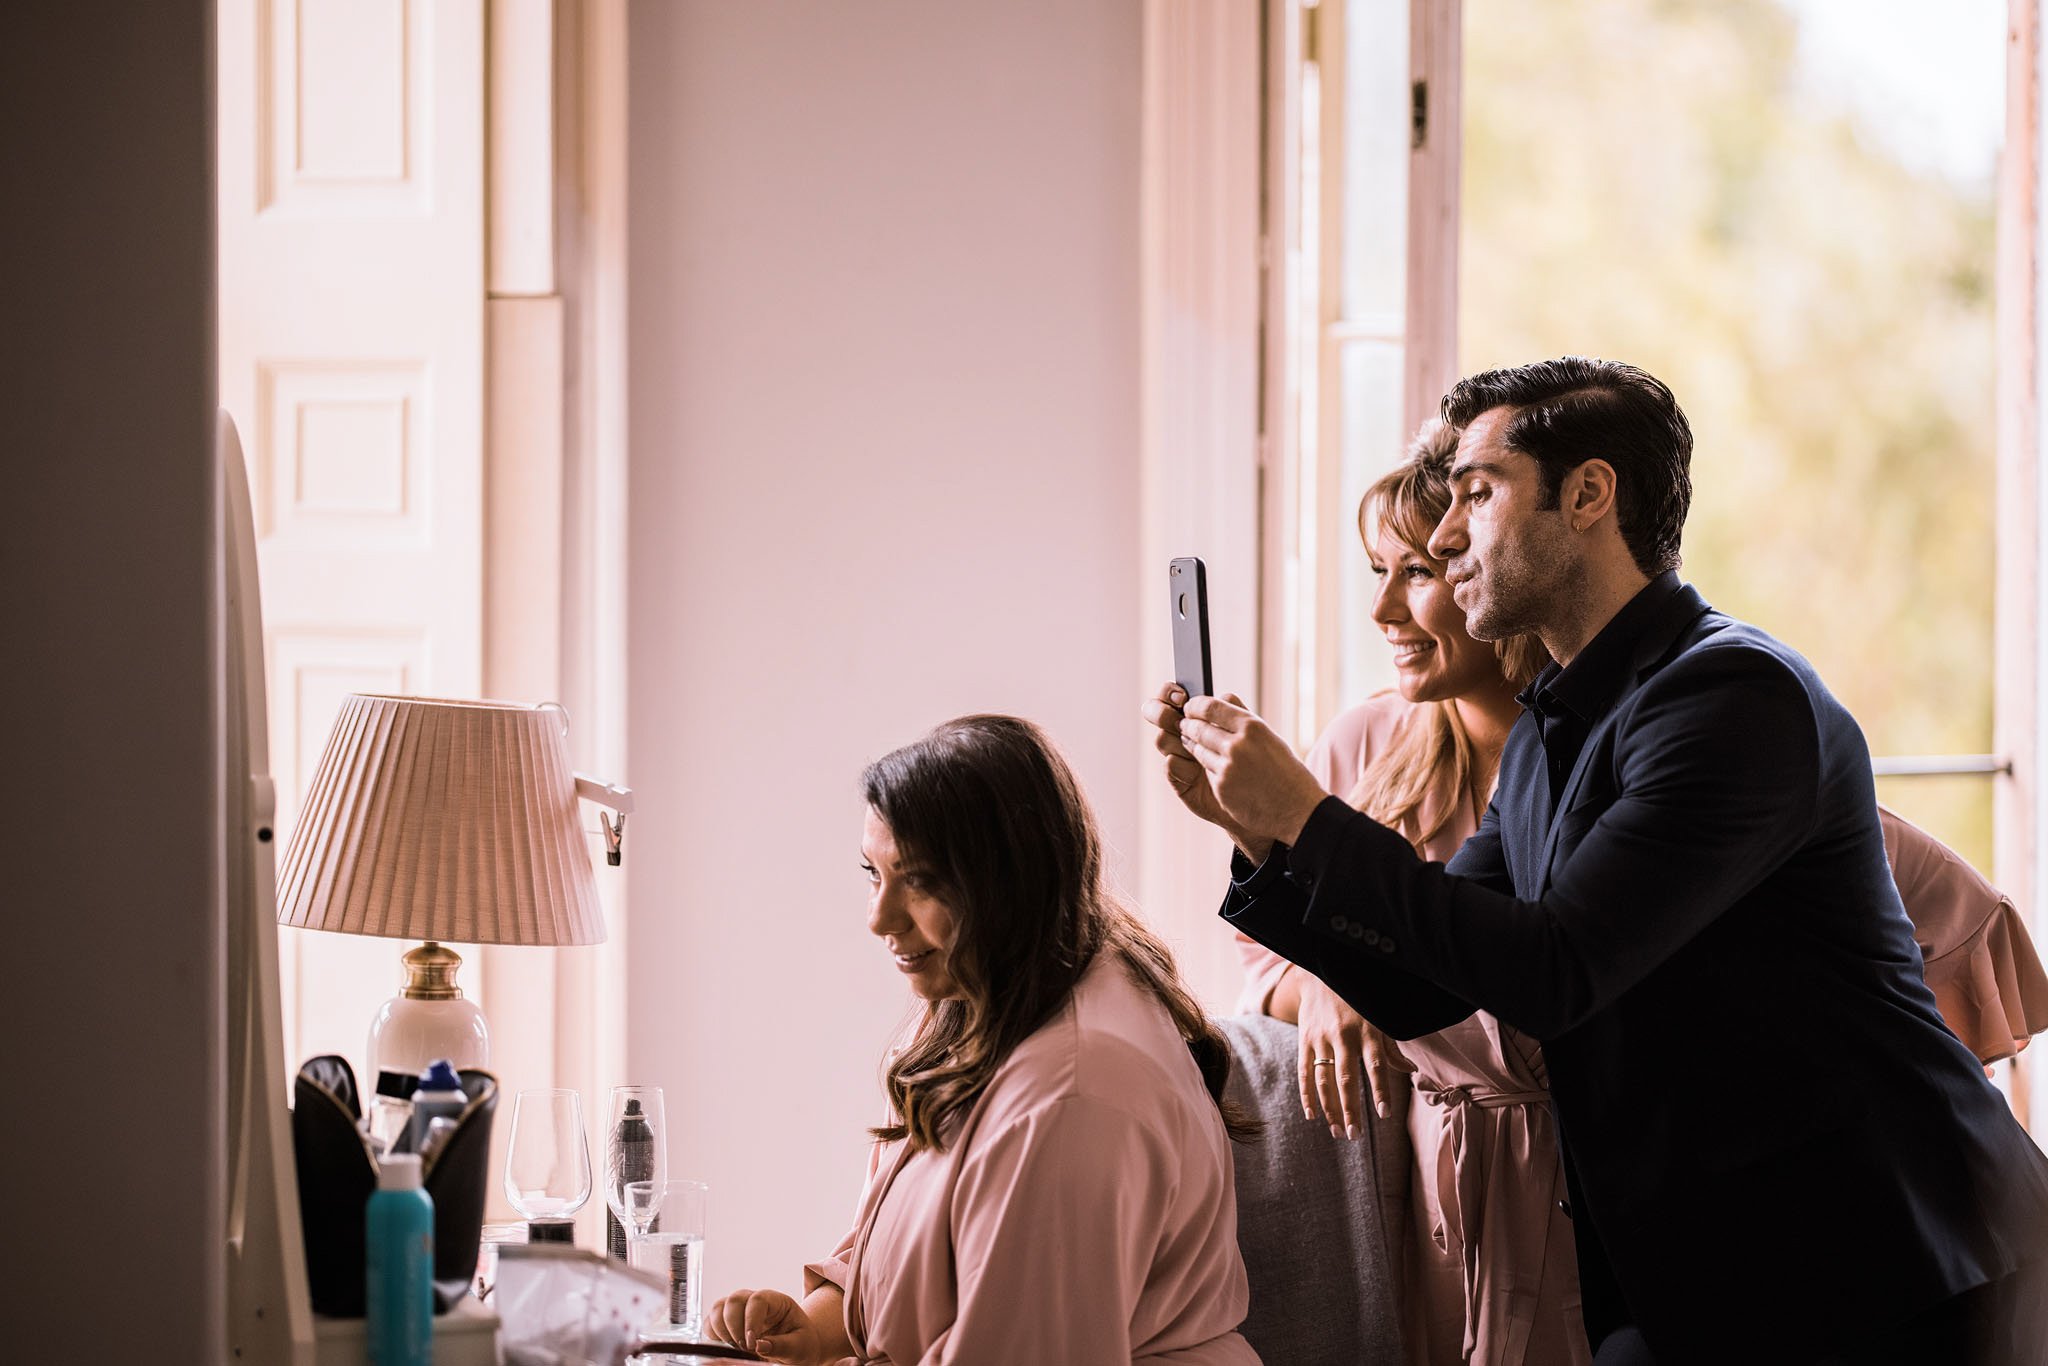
642, 1207
636, 1149
547, 1171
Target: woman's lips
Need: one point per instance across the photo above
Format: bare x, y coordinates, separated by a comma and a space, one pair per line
911, 962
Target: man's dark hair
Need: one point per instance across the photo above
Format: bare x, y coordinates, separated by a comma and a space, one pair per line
1575, 409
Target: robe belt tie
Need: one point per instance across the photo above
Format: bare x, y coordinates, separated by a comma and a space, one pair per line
1458, 1180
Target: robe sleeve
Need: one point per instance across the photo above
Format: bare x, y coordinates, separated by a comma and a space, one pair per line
836, 1268
833, 1269
1055, 1220
1979, 962
1263, 970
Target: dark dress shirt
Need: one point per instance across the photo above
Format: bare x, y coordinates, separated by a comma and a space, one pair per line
1768, 1133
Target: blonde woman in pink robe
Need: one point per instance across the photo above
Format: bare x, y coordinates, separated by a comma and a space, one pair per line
1486, 1264
1056, 1184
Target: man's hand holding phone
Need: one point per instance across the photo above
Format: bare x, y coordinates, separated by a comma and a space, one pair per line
1190, 782
1263, 789
1221, 759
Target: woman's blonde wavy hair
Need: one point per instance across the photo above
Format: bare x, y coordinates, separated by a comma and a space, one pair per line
1409, 501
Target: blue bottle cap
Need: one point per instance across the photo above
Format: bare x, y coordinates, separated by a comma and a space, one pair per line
440, 1077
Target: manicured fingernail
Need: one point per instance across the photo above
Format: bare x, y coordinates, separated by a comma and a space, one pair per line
1351, 1131
1336, 1132
1307, 1113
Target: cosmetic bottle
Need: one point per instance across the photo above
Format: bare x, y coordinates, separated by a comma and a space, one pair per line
399, 1266
390, 1119
632, 1155
439, 1096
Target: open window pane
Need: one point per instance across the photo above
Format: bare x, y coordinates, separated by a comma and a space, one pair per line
1729, 196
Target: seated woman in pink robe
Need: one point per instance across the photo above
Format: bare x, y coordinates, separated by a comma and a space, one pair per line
1485, 1263
1056, 1186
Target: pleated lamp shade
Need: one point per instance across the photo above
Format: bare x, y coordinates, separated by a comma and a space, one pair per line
439, 820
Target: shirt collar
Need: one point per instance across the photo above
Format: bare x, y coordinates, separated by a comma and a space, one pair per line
1633, 638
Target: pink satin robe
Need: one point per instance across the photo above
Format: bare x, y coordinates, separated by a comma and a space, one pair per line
1084, 1212
1490, 1266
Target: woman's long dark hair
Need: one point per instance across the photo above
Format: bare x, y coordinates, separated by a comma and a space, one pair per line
991, 810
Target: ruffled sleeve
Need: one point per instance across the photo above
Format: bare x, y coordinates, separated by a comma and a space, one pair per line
1980, 962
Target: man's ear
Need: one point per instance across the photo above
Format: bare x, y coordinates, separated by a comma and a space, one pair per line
1588, 493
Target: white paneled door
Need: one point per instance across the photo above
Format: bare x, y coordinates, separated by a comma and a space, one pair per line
352, 358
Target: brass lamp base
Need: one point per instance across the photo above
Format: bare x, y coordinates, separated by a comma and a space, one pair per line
430, 973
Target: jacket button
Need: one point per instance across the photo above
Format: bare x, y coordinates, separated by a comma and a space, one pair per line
1338, 923
1372, 936
1357, 930
1565, 1207
1386, 945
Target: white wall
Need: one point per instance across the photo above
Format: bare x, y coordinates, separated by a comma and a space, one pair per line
111, 974
884, 432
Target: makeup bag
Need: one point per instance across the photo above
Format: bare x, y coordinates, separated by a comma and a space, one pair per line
337, 1174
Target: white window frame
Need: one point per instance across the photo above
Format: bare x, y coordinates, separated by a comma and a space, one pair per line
1361, 217
2020, 643
1309, 668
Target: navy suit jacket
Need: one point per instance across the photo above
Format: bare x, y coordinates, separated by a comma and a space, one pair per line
1766, 1127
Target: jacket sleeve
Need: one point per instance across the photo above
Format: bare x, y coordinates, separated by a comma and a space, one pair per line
1718, 777
1338, 756
1481, 859
1267, 904
1055, 1218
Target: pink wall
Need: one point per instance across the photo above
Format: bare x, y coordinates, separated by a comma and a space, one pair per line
884, 470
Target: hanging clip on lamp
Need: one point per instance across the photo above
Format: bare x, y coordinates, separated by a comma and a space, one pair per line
435, 820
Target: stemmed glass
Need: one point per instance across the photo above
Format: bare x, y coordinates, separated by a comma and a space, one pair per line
636, 1149
642, 1207
547, 1171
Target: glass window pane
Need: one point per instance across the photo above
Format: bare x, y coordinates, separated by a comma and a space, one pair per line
1726, 195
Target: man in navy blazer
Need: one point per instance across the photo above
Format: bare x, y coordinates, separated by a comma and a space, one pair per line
1774, 1148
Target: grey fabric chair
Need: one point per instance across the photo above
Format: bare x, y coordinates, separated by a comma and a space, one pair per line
1313, 1214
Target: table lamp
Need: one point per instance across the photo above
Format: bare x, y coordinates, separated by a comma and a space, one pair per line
439, 820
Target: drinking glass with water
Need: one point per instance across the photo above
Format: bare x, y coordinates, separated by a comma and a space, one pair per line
675, 1253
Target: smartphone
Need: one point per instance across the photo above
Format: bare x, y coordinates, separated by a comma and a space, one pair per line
1189, 585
